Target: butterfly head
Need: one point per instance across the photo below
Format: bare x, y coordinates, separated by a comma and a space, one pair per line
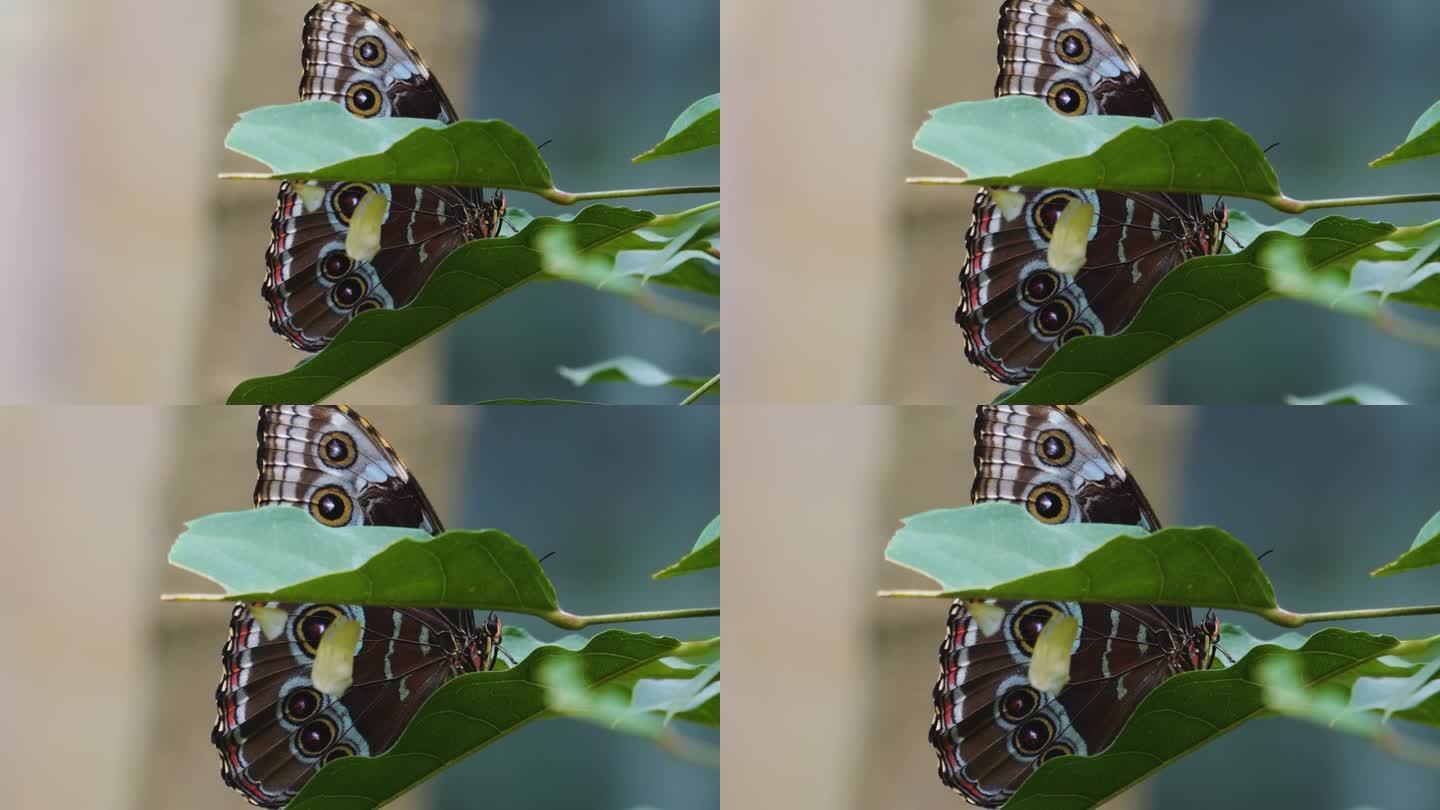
484, 646
1216, 223
492, 215
1203, 643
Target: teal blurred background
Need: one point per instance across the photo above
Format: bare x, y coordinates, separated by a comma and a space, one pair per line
616, 493
602, 82
1336, 84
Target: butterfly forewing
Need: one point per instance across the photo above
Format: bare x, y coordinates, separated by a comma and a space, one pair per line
354, 57
275, 728
992, 728
1015, 309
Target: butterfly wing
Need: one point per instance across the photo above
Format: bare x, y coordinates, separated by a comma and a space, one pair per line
991, 727
354, 57
275, 729
1015, 309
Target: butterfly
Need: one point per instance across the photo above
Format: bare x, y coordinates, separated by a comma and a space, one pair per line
275, 728
354, 57
1016, 309
992, 728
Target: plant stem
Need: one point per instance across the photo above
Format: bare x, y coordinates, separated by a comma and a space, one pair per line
552, 194
661, 220
570, 621
555, 195
1285, 618
700, 392
1279, 202
1275, 615
1290, 205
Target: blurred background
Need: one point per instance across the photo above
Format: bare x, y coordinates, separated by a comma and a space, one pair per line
828, 688
137, 273
102, 679
856, 299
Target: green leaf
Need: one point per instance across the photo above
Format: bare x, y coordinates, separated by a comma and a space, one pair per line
321, 140
1362, 706
626, 369
1192, 298
998, 550
697, 128
1362, 394
1423, 140
474, 275
705, 555
279, 553
645, 708
471, 712
1020, 141
1424, 552
1402, 276
1186, 712
672, 251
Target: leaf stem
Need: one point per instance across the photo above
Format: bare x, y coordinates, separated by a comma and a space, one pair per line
1291, 205
662, 220
700, 392
552, 194
1274, 615
1285, 618
571, 621
1279, 202
555, 195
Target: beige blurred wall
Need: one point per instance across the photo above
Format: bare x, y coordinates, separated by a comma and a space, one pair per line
848, 284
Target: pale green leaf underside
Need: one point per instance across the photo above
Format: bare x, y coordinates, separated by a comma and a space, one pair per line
705, 555
321, 140
1424, 552
1422, 142
998, 550
698, 127
1020, 141
1361, 394
627, 369
279, 553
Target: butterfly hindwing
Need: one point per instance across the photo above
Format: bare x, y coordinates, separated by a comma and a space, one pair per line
353, 56
992, 727
1015, 309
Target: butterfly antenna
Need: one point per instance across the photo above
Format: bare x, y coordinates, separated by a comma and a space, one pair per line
548, 141
547, 556
1228, 658
1271, 146
1262, 556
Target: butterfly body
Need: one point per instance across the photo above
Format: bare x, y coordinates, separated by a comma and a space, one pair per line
1015, 309
992, 727
314, 286
275, 726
